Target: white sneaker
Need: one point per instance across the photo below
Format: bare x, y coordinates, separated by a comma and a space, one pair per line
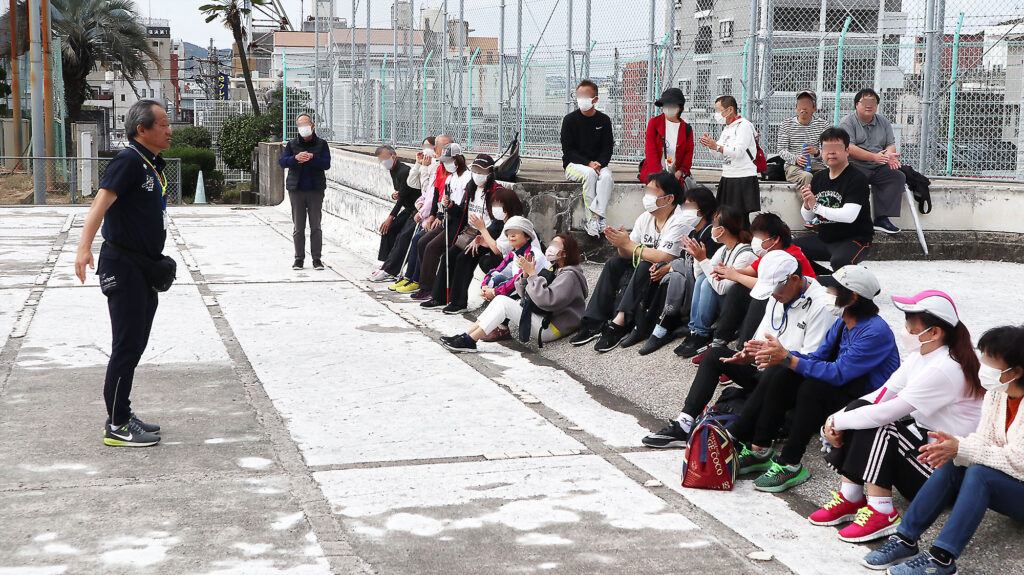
594, 227
381, 276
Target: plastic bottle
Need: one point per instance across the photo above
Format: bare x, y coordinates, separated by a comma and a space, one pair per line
807, 166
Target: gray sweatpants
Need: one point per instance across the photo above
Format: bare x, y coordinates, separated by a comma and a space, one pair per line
887, 190
307, 204
678, 289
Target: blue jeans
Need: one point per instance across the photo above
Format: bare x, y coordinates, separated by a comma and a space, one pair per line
412, 271
972, 490
705, 307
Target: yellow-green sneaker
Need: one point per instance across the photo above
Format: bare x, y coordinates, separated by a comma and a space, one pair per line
398, 284
408, 288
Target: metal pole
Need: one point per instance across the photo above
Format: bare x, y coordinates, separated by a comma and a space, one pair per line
926, 93
284, 95
462, 68
444, 68
519, 59
751, 57
839, 71
394, 78
383, 82
952, 96
745, 91
367, 100
410, 75
522, 100
765, 91
423, 107
35, 30
670, 72
586, 44
651, 63
469, 137
44, 7
19, 147
501, 79
352, 68
568, 56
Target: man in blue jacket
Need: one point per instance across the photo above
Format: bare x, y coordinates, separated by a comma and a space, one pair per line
858, 355
307, 158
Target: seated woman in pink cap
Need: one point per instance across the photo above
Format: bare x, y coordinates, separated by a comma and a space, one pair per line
877, 437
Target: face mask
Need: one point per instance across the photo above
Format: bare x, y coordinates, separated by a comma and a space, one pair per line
758, 247
721, 232
388, 163
449, 167
585, 104
691, 218
650, 203
479, 179
719, 118
831, 305
990, 377
498, 212
305, 131
912, 341
671, 111
428, 152
552, 253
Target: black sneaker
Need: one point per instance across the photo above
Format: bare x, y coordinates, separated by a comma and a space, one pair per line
611, 336
130, 434
448, 339
452, 309
693, 345
147, 427
632, 339
460, 344
318, 265
297, 264
587, 333
431, 304
654, 343
671, 435
884, 225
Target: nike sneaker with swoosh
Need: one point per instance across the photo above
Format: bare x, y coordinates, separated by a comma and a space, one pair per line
147, 427
130, 434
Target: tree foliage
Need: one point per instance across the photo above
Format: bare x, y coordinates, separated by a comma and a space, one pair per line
239, 136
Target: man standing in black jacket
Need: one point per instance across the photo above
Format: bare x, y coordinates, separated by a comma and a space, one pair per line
307, 158
404, 197
587, 144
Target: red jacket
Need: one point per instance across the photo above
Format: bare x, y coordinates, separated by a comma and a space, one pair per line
654, 147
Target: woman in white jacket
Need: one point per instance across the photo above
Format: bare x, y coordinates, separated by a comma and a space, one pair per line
984, 470
709, 290
737, 148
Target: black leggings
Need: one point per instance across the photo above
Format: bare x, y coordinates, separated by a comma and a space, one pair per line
838, 254
813, 401
706, 382
740, 316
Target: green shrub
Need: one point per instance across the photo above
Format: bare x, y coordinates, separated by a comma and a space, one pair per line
204, 158
239, 136
195, 136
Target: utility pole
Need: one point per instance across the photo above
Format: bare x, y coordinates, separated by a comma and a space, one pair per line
35, 29
19, 147
47, 80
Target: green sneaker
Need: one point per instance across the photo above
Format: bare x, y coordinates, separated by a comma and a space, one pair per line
779, 478
751, 461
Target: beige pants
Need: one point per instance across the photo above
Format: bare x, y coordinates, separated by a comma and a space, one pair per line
798, 177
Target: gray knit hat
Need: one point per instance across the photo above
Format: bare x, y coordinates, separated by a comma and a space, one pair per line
522, 224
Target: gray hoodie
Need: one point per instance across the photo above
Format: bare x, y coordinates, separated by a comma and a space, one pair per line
565, 297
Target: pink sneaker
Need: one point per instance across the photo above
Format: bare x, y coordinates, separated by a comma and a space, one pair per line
870, 524
837, 511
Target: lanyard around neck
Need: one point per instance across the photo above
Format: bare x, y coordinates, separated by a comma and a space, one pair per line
159, 177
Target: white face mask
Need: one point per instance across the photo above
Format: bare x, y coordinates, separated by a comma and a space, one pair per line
428, 152
449, 166
552, 253
830, 303
388, 163
990, 377
671, 111
758, 247
721, 232
585, 104
912, 341
719, 118
691, 217
479, 179
305, 131
650, 203
498, 212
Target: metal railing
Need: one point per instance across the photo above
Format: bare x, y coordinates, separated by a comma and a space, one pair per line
67, 180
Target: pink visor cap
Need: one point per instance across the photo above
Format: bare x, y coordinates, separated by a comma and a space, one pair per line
933, 302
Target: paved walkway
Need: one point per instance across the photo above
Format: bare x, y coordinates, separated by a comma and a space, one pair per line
301, 434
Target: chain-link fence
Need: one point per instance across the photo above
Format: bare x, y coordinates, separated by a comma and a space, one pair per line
949, 73
67, 180
211, 114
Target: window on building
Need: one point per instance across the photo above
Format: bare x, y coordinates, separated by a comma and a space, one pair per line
702, 91
702, 44
794, 19
725, 86
891, 50
155, 43
677, 38
893, 5
122, 97
684, 86
725, 30
152, 93
703, 5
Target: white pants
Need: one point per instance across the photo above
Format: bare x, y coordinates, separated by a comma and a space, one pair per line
597, 187
503, 307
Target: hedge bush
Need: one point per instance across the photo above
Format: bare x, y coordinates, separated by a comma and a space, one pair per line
192, 161
239, 136
195, 136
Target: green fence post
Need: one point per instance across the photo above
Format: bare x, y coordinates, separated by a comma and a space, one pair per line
839, 70
423, 108
469, 134
952, 96
522, 100
383, 83
284, 96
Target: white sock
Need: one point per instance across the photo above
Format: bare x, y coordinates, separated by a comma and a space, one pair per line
852, 492
685, 421
659, 331
881, 504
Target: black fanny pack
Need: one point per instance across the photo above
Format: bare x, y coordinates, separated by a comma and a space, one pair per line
160, 273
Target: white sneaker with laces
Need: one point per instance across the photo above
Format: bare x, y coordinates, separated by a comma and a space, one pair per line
594, 227
381, 276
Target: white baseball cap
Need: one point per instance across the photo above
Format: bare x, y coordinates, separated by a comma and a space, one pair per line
856, 279
932, 302
776, 266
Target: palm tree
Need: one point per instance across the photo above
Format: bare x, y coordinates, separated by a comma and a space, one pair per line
99, 31
230, 12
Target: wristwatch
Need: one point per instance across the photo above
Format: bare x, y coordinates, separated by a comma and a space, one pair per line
789, 359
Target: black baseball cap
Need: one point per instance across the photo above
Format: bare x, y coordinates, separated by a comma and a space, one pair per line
671, 96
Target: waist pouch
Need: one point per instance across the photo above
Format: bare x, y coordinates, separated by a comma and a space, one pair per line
160, 272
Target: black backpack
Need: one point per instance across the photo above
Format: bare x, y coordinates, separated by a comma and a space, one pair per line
507, 169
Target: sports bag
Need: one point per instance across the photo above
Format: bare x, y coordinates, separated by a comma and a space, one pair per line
711, 458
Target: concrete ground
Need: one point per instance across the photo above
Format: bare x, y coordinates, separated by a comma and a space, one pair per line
312, 424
